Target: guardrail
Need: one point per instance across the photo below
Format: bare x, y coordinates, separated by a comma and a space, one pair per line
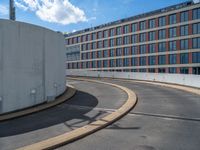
181, 79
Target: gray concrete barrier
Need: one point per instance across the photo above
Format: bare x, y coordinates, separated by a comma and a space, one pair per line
181, 79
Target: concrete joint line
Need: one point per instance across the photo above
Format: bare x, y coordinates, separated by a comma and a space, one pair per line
90, 128
64, 97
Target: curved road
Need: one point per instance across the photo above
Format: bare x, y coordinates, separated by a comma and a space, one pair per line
163, 119
86, 106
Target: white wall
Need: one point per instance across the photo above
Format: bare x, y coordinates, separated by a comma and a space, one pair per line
188, 80
32, 58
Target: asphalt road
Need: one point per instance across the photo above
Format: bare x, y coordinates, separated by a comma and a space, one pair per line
163, 119
90, 103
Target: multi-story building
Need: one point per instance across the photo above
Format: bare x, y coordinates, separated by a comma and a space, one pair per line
162, 41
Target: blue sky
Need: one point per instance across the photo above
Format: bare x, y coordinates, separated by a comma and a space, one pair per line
73, 15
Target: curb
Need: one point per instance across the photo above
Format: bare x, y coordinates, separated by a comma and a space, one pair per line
90, 128
64, 97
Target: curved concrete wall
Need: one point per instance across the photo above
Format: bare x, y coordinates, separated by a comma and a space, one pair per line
32, 65
181, 79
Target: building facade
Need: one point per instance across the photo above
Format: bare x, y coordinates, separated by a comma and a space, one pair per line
163, 41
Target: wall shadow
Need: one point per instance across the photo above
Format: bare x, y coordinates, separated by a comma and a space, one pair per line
75, 108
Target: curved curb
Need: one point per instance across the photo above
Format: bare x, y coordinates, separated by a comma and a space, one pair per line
64, 97
90, 128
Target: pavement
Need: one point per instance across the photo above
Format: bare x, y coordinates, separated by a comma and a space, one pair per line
163, 119
84, 108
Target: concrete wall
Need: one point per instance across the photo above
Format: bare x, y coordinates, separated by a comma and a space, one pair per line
188, 80
32, 62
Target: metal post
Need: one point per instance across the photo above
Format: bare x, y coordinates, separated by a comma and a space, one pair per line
12, 10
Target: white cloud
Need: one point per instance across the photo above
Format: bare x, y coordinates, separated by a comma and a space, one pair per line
55, 11
3, 10
21, 6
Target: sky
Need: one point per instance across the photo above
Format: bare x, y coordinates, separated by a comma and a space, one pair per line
74, 15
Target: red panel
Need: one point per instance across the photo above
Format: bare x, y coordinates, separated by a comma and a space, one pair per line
178, 17
190, 14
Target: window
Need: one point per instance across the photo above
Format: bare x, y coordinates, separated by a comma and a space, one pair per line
126, 29
161, 70
172, 32
184, 30
152, 23
134, 50
162, 59
142, 61
94, 45
142, 49
99, 64
162, 34
184, 44
88, 37
172, 70
99, 35
172, 19
152, 36
119, 62
112, 53
93, 64
105, 43
196, 57
93, 36
172, 58
126, 62
152, 60
112, 32
134, 27
196, 43
105, 63
105, 33
93, 55
83, 47
184, 70
105, 53
196, 70
162, 21
196, 28
119, 30
118, 52
134, 38
172, 45
152, 48
99, 43
126, 51
184, 59
88, 46
112, 42
142, 70
162, 47
142, 37
142, 25
119, 41
83, 38
112, 63
79, 39
99, 54
134, 61
184, 16
196, 13
126, 40
152, 70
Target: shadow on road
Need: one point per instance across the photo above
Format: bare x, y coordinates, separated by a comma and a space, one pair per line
75, 108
